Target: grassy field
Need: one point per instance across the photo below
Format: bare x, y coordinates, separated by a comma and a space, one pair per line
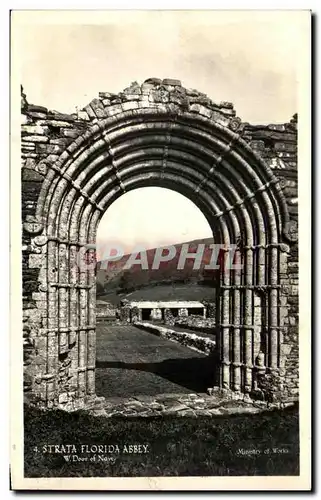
161, 291
112, 277
131, 361
176, 446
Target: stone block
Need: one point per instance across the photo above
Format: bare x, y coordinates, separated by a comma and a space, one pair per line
40, 109
31, 175
35, 260
105, 95
98, 108
115, 99
278, 127
200, 99
172, 82
55, 115
49, 148
146, 88
153, 81
59, 123
35, 115
26, 148
34, 129
205, 111
219, 118
35, 138
60, 141
226, 105
159, 95
285, 147
293, 320
114, 110
82, 115
133, 89
286, 349
71, 133
129, 105
63, 398
195, 108
33, 227
229, 112
131, 97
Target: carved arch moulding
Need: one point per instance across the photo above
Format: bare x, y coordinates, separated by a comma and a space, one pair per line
242, 177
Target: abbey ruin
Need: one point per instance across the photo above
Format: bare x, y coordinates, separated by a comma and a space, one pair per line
242, 177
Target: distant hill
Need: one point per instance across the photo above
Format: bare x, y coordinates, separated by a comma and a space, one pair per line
116, 279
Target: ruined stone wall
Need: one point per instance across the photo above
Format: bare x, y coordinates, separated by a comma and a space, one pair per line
197, 323
47, 134
277, 145
105, 310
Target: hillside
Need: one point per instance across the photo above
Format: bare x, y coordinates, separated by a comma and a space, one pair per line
115, 279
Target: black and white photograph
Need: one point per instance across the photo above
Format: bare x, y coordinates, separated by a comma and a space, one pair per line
160, 182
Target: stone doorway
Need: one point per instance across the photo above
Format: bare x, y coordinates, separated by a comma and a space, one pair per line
154, 134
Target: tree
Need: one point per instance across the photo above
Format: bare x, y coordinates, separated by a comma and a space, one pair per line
99, 288
124, 282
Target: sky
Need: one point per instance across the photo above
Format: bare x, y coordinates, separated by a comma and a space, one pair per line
151, 224
249, 58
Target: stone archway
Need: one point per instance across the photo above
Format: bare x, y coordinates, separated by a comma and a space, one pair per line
156, 134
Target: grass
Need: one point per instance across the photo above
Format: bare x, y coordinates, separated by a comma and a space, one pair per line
131, 361
177, 446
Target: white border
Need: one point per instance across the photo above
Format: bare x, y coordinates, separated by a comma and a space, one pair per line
305, 188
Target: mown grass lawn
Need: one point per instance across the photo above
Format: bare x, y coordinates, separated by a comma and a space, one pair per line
131, 361
177, 446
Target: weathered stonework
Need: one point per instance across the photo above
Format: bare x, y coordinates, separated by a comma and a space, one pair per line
157, 310
197, 323
243, 178
201, 344
105, 310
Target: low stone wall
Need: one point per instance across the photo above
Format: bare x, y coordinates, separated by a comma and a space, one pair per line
106, 310
191, 340
197, 323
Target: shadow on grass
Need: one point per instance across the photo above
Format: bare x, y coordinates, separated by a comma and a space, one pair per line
181, 446
196, 374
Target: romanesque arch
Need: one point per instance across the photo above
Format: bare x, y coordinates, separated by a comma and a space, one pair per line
154, 134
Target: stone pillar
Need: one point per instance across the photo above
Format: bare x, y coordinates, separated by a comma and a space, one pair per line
248, 327
124, 313
225, 315
259, 370
91, 334
183, 312
236, 329
273, 309
52, 323
257, 324
152, 314
168, 317
83, 324
211, 310
156, 314
261, 281
74, 317
63, 299
135, 313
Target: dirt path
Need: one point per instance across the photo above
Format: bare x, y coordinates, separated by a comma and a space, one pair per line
131, 361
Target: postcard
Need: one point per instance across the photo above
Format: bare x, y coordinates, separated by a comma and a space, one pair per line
160, 250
